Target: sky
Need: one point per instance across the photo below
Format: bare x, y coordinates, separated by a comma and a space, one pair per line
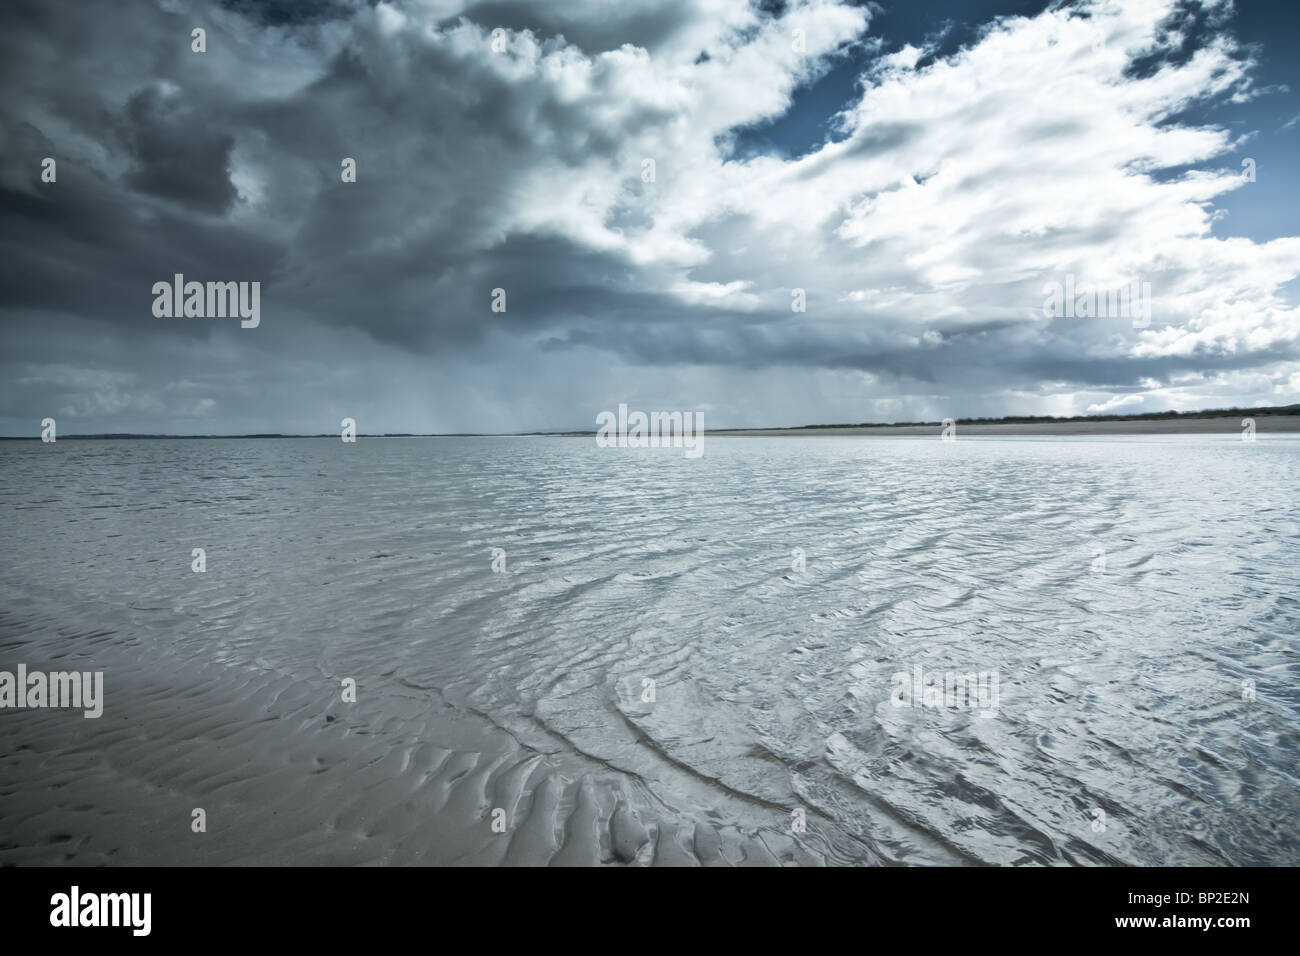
656, 187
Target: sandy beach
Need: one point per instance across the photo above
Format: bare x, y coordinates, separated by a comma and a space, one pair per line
1229, 427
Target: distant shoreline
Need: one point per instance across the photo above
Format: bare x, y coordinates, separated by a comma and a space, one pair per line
1271, 419
1225, 425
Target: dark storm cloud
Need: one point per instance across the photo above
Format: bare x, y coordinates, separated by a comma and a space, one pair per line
522, 170
88, 249
289, 12
176, 157
648, 25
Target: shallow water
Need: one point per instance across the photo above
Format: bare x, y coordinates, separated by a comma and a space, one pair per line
1123, 590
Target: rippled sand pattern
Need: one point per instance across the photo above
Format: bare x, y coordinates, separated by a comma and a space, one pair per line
1121, 733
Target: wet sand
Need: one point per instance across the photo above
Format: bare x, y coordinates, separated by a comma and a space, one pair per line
523, 691
286, 774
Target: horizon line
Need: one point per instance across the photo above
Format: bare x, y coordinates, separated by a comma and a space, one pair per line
1292, 409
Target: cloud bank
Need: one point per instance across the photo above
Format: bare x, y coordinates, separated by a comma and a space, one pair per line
582, 158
